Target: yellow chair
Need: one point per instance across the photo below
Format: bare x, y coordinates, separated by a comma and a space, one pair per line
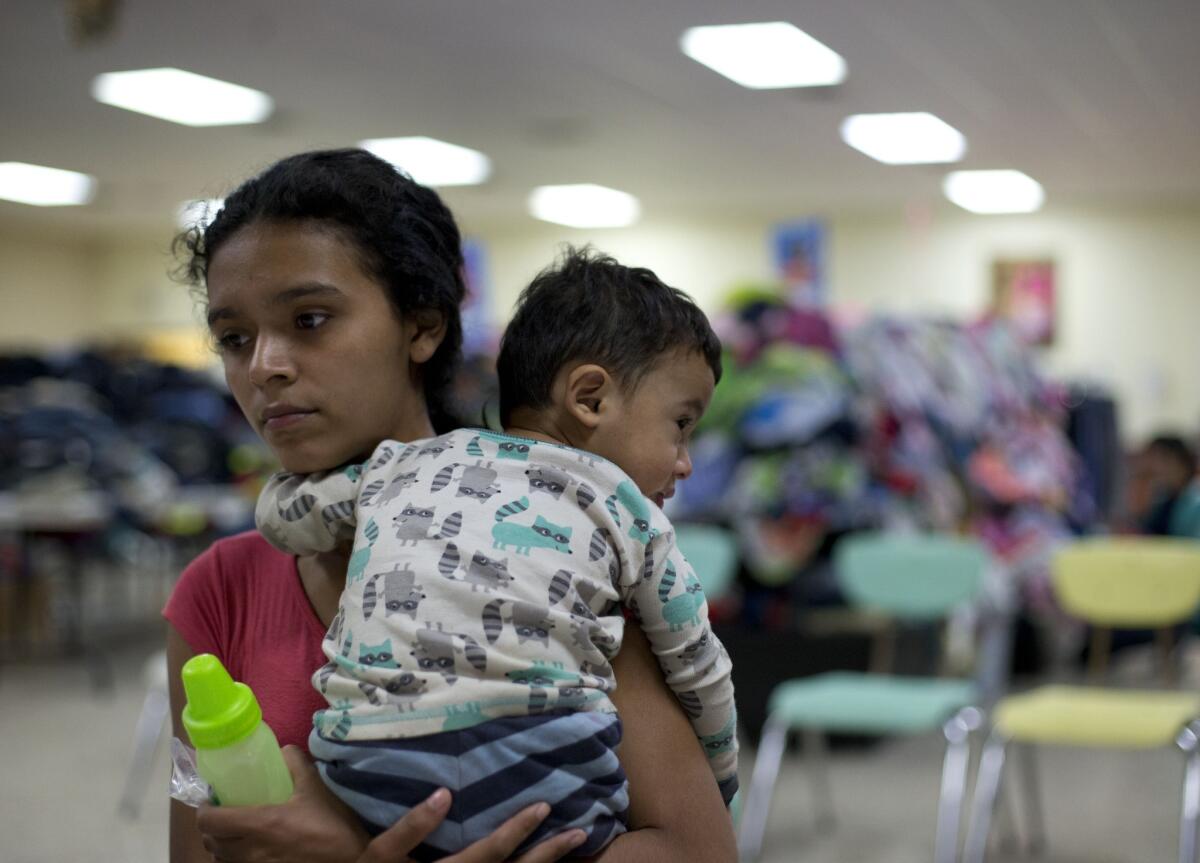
1110, 583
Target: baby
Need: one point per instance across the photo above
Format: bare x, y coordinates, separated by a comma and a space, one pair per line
492, 573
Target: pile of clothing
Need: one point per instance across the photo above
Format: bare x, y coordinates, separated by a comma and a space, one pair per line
817, 430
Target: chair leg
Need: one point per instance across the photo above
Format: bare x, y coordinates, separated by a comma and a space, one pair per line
816, 756
957, 732
145, 743
1027, 768
1189, 818
762, 784
987, 784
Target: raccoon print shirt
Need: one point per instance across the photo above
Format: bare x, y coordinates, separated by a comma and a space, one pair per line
488, 578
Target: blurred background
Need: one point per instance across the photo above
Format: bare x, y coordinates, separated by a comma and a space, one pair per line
919, 348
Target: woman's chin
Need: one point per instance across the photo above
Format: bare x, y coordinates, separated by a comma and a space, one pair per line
297, 460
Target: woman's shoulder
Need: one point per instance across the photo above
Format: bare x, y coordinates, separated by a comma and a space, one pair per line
230, 588
236, 562
241, 550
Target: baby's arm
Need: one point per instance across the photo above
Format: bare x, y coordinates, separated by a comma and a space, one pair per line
309, 513
672, 611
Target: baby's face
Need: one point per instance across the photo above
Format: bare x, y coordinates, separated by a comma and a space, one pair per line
649, 431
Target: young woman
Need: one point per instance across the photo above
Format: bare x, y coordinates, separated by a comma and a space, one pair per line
332, 288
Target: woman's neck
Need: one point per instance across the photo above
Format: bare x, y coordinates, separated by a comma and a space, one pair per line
323, 577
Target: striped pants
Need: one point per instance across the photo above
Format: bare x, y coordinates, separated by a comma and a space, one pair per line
493, 770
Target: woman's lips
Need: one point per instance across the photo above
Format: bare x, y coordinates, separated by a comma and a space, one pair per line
286, 420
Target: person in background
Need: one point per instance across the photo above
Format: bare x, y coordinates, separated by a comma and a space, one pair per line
1169, 471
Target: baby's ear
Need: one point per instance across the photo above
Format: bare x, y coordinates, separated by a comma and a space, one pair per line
590, 393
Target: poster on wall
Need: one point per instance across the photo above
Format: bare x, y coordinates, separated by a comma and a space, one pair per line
1023, 293
799, 255
478, 335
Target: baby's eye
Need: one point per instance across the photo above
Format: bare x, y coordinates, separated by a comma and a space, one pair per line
310, 320
684, 423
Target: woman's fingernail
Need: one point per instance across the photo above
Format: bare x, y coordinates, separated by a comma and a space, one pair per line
439, 800
577, 839
542, 810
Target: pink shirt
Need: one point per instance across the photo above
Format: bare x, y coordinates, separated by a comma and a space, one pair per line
244, 602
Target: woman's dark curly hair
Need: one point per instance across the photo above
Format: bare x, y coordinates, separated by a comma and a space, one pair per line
405, 234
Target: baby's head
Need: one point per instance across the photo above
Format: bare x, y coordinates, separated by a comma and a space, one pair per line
609, 359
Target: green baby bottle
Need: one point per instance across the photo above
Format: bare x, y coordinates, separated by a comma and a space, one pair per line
236, 752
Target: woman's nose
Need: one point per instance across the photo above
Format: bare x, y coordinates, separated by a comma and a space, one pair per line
271, 360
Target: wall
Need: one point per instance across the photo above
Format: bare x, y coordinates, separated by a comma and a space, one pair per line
44, 284
1129, 284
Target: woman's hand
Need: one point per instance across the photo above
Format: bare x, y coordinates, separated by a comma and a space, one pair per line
314, 826
393, 845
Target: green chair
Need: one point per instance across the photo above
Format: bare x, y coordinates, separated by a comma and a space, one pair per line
915, 579
713, 554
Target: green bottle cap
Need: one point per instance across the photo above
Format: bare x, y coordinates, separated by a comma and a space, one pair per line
218, 711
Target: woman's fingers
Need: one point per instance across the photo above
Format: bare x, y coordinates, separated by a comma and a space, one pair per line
553, 848
393, 845
304, 774
504, 839
228, 822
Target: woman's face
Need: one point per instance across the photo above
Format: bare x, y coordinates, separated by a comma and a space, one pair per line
314, 354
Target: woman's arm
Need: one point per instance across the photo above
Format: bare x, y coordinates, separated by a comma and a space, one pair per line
315, 827
185, 842
675, 809
313, 820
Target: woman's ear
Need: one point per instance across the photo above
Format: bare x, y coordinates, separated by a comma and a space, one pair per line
590, 394
427, 328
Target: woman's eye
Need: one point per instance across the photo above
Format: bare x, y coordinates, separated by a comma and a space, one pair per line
311, 320
231, 341
684, 423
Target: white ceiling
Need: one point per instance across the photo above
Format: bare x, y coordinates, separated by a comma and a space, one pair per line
1097, 99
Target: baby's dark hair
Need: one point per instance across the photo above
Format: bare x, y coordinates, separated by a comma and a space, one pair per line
404, 233
587, 308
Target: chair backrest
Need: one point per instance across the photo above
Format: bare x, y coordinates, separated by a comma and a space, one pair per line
713, 554
1129, 582
913, 577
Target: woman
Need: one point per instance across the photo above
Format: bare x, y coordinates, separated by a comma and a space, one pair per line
333, 285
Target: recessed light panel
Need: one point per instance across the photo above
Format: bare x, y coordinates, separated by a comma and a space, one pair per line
584, 205
182, 97
432, 162
764, 56
40, 186
904, 139
989, 192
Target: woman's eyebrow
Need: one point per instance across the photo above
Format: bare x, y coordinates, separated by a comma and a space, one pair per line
309, 289
282, 298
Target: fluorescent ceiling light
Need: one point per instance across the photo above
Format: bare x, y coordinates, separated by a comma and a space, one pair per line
904, 139
994, 191
198, 212
44, 187
432, 162
182, 97
764, 56
584, 205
